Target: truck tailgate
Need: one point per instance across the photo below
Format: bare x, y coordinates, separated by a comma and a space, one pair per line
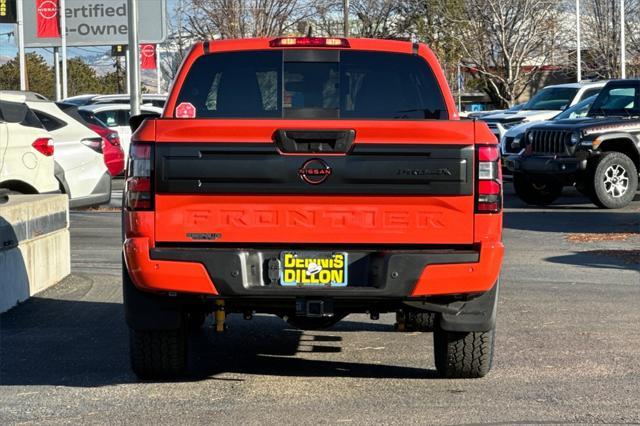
215, 186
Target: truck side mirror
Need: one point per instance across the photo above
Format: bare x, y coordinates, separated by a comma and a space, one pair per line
136, 120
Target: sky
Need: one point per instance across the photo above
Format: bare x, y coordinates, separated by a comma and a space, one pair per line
8, 45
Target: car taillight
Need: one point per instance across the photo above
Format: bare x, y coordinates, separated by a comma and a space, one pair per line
44, 146
113, 138
138, 180
489, 187
93, 143
309, 42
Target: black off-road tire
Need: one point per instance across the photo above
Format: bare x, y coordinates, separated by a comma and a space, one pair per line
415, 321
463, 355
536, 193
158, 354
596, 187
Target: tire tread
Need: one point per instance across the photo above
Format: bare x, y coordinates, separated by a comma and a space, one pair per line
158, 353
463, 355
594, 176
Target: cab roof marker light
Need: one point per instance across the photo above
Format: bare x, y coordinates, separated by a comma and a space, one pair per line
309, 42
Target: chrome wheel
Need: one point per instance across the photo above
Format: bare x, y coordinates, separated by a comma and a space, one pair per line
616, 180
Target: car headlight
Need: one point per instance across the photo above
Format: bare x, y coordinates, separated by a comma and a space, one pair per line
516, 142
575, 138
512, 124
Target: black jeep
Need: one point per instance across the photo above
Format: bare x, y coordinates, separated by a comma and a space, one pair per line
599, 154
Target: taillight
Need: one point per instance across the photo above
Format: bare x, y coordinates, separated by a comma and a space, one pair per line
44, 146
93, 143
110, 138
309, 42
489, 174
113, 138
138, 180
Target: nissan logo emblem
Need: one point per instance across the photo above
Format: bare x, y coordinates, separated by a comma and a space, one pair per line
48, 9
314, 171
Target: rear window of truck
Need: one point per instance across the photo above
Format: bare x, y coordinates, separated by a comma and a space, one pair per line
311, 84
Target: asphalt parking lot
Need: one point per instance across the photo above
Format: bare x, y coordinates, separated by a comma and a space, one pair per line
566, 350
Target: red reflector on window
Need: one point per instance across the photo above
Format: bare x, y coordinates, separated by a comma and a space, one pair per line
488, 187
308, 42
488, 153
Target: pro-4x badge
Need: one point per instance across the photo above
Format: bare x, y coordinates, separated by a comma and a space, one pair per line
206, 236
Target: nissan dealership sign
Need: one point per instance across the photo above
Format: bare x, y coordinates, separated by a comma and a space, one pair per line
95, 22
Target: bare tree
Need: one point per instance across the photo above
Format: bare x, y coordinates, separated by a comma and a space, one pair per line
633, 42
600, 20
246, 18
506, 43
633, 27
427, 21
328, 18
378, 18
601, 23
177, 44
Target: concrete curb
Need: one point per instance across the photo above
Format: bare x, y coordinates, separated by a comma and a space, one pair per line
35, 250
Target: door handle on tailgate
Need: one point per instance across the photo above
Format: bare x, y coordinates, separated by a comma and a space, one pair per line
314, 141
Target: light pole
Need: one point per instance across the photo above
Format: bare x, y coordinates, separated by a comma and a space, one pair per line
134, 58
56, 68
63, 42
345, 17
623, 44
21, 54
158, 72
578, 44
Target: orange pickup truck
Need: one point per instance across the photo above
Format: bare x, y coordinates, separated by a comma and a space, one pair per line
311, 178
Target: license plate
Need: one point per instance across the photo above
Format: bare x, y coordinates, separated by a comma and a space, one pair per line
313, 269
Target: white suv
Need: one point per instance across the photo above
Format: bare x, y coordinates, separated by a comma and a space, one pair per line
116, 117
79, 162
26, 150
546, 104
156, 100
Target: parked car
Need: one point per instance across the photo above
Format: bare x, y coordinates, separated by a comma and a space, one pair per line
273, 183
111, 147
546, 104
157, 101
79, 162
510, 141
116, 117
26, 149
481, 114
600, 156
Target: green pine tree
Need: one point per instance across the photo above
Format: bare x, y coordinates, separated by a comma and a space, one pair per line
40, 75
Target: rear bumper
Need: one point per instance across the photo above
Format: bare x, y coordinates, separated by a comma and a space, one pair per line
374, 274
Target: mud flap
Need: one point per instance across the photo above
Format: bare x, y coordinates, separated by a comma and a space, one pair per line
148, 311
478, 314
